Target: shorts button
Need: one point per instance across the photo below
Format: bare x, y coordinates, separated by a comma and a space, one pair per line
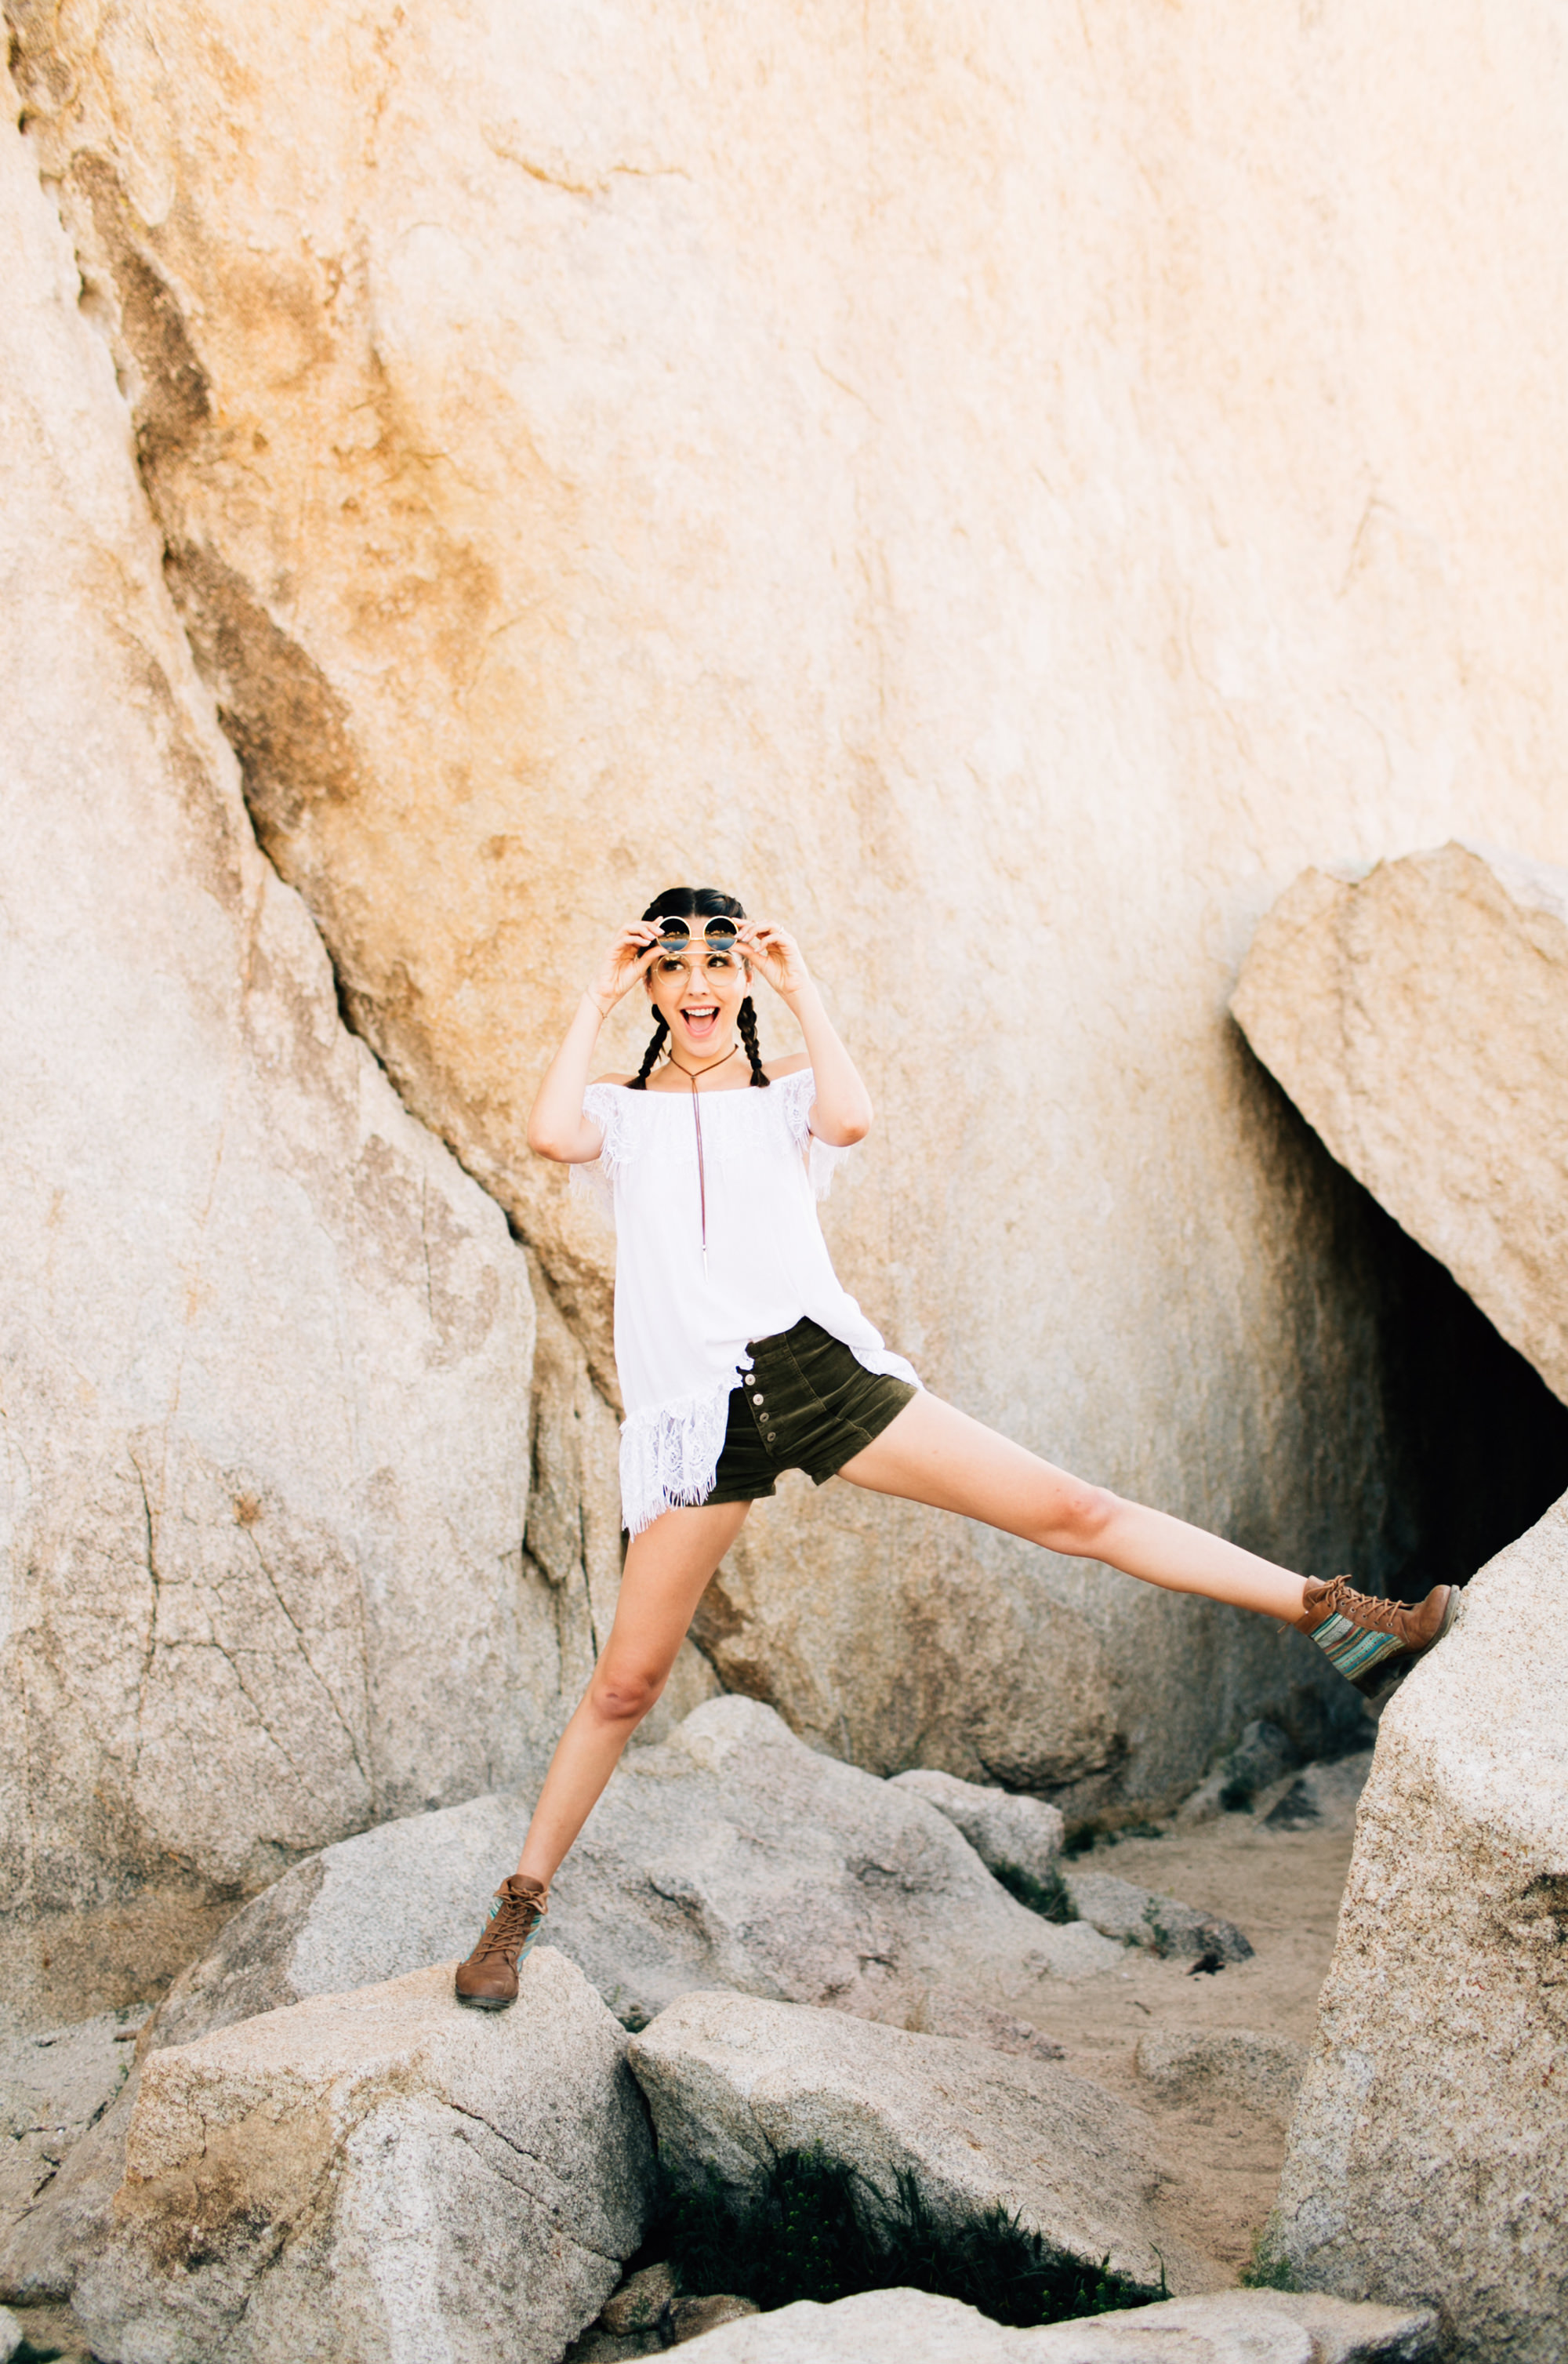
760, 1402
771, 1438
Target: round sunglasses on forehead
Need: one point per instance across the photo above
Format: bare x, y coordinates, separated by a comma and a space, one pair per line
720, 935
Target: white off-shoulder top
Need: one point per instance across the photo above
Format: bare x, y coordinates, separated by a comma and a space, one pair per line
682, 1335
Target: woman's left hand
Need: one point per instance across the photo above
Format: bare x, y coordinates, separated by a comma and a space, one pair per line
776, 953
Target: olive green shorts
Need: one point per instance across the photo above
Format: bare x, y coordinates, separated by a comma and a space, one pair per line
806, 1404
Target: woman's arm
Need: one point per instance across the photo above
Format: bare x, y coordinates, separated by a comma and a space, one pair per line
841, 1112
557, 1126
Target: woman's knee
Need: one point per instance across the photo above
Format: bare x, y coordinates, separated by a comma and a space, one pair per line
1078, 1519
623, 1695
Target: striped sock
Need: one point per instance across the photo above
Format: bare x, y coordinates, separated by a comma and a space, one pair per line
1353, 1649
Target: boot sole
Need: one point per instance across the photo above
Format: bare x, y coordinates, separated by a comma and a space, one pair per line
487, 2003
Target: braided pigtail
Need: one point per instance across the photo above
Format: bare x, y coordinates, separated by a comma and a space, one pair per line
640, 1081
746, 1020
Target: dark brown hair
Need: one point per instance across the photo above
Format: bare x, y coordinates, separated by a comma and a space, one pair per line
700, 903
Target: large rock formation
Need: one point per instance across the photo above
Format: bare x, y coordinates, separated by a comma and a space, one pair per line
377, 2176
1429, 2156
733, 2082
266, 1348
1005, 492
732, 1856
1419, 1019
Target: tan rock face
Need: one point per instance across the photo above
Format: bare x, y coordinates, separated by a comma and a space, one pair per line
1419, 1019
265, 1348
1002, 492
1429, 2154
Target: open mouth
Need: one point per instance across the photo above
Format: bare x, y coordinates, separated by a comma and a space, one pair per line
702, 1021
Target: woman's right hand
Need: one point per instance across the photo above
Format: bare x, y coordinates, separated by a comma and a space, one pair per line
626, 958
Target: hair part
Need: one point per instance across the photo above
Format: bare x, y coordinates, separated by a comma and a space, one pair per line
700, 903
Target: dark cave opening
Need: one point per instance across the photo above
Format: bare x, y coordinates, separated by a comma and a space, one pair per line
1481, 1443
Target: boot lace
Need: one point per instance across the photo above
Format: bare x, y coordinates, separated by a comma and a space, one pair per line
511, 1923
1379, 1616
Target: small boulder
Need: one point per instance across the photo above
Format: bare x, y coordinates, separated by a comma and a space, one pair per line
729, 1856
1138, 1916
1227, 2326
1009, 1834
733, 2082
642, 2303
11, 2335
378, 2173
1224, 2064
1322, 1797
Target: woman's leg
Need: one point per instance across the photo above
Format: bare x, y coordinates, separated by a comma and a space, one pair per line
667, 1570
931, 1453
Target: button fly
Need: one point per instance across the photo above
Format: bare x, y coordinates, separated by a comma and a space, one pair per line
760, 1402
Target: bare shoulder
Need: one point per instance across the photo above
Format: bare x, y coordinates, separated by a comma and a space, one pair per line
776, 1070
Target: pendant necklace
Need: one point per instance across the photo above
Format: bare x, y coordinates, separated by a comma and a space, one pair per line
691, 1075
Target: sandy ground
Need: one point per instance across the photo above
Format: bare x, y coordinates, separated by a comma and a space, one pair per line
1282, 1889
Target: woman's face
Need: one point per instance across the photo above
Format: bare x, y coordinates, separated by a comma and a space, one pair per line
698, 995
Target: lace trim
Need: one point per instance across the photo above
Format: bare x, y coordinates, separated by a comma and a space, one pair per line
668, 1454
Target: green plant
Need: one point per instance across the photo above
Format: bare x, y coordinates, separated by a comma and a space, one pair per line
1047, 1897
814, 2229
1269, 2269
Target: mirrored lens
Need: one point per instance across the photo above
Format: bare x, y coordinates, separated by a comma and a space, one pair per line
720, 935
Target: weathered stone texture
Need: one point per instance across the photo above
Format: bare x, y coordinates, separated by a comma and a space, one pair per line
1419, 1019
1004, 489
1428, 2154
1226, 2327
732, 2081
731, 1856
376, 2176
1008, 1833
264, 1349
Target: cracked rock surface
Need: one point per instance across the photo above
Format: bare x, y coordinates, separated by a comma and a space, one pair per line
378, 2174
265, 1350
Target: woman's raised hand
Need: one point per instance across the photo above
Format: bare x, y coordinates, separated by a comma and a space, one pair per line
624, 960
774, 952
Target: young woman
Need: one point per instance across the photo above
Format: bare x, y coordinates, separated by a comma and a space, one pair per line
740, 1354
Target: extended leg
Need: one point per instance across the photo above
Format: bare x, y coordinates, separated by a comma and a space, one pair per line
667, 1570
934, 1453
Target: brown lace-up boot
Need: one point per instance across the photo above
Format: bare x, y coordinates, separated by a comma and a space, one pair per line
1373, 1642
488, 1980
